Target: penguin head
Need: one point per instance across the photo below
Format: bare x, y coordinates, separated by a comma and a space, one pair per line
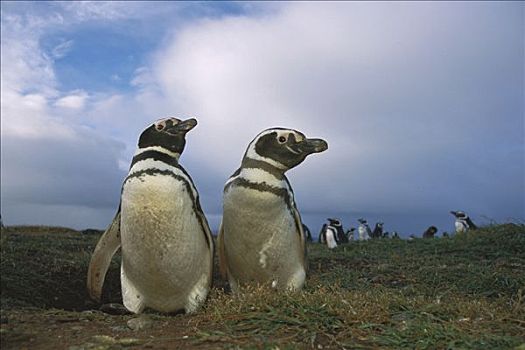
459, 214
334, 222
168, 133
283, 148
362, 221
432, 229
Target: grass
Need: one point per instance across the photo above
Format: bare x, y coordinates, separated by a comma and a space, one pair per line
465, 292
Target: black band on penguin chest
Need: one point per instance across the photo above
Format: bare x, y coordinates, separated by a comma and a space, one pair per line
159, 156
171, 161
249, 163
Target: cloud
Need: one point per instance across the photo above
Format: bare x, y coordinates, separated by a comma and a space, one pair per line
421, 104
49, 159
75, 100
62, 49
394, 88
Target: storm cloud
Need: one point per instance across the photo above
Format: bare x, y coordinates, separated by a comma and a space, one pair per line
421, 104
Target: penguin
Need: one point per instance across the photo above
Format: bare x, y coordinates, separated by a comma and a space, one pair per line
363, 230
378, 230
430, 232
386, 234
340, 233
322, 234
463, 222
307, 233
395, 235
260, 238
350, 234
331, 234
411, 237
166, 242
445, 235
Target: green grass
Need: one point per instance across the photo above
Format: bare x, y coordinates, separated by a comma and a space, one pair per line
465, 292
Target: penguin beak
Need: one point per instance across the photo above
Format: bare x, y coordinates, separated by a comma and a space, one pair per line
309, 146
186, 125
453, 213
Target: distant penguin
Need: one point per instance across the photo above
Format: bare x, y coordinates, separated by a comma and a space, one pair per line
386, 234
363, 230
378, 230
430, 232
340, 233
322, 234
307, 233
260, 238
331, 233
445, 235
411, 237
395, 235
350, 234
463, 222
167, 247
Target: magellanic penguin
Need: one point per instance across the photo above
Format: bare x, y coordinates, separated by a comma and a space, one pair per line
331, 234
350, 234
167, 247
307, 233
322, 234
463, 222
378, 230
430, 232
363, 230
340, 233
260, 238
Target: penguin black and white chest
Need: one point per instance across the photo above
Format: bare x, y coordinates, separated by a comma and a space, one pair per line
378, 230
261, 237
167, 248
363, 230
463, 222
350, 234
340, 233
331, 234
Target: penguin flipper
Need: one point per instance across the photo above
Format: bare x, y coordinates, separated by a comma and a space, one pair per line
223, 264
107, 246
299, 225
209, 240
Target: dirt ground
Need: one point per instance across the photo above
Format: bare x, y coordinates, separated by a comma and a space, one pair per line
458, 293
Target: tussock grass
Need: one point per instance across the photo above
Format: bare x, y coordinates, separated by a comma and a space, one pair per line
464, 292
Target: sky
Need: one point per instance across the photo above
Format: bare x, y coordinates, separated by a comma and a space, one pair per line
421, 103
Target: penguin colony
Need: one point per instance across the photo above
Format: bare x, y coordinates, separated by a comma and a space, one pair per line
463, 223
167, 246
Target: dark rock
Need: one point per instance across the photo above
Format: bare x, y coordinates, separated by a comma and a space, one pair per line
114, 309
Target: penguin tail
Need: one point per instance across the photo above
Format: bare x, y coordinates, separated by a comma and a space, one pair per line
107, 246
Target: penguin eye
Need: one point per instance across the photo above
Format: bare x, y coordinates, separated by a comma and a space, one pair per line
160, 125
282, 139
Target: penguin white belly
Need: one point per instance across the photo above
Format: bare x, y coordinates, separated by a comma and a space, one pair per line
261, 232
330, 239
165, 258
460, 226
363, 233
